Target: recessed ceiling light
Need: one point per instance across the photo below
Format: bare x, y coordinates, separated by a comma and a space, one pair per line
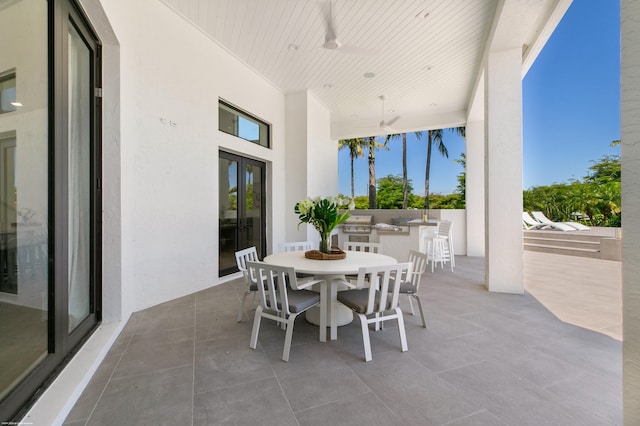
369, 75
293, 47
16, 104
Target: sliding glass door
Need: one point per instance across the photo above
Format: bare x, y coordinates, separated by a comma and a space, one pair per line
49, 193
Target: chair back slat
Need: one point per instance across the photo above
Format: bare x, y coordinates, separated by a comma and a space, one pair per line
272, 285
296, 246
242, 257
419, 263
384, 285
444, 227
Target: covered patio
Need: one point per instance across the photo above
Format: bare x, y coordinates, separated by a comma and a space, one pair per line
485, 359
168, 348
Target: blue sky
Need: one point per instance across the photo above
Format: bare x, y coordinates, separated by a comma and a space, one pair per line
571, 110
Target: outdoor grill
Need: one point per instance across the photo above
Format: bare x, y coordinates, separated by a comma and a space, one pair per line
357, 224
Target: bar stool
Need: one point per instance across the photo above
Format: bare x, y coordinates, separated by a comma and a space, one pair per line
437, 251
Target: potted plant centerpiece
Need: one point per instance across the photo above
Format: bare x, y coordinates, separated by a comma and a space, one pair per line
324, 214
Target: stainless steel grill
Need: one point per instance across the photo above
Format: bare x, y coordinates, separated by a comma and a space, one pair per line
357, 224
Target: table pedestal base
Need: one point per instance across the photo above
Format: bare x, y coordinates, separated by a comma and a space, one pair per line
340, 313
337, 313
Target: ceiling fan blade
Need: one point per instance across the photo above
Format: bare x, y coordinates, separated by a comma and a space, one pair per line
393, 120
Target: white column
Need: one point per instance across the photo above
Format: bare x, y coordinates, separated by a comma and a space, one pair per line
296, 166
630, 140
503, 172
311, 160
475, 188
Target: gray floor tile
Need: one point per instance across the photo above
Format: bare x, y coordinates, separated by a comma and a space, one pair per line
88, 400
161, 398
221, 363
157, 350
366, 410
438, 353
593, 393
74, 423
510, 398
537, 367
483, 418
255, 403
412, 392
212, 324
167, 318
315, 375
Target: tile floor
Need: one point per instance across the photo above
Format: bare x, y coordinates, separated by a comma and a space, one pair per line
485, 359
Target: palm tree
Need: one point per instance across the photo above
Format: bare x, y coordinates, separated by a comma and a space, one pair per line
405, 191
435, 138
354, 146
462, 177
373, 145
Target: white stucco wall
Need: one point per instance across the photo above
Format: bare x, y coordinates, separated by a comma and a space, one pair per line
172, 73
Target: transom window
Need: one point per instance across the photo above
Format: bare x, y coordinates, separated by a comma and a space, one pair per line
8, 91
239, 123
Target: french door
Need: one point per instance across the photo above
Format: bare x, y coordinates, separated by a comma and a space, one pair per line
50, 255
241, 208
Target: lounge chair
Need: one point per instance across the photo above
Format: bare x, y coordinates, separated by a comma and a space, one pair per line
540, 217
531, 224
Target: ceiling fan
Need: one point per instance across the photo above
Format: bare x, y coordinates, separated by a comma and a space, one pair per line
386, 125
331, 41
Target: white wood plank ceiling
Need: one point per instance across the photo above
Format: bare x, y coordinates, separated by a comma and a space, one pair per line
425, 54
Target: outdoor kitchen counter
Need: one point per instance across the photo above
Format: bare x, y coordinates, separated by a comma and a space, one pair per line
411, 236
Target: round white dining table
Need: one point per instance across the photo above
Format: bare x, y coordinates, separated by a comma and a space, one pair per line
333, 272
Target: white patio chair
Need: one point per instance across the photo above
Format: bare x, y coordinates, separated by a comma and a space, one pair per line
251, 282
279, 304
411, 283
363, 247
296, 246
378, 302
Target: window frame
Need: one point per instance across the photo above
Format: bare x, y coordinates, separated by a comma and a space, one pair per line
263, 126
9, 75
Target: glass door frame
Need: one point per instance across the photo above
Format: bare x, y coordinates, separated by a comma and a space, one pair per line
61, 191
240, 232
62, 344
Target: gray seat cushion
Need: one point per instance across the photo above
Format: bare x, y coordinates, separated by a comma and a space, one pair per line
300, 300
405, 287
356, 300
